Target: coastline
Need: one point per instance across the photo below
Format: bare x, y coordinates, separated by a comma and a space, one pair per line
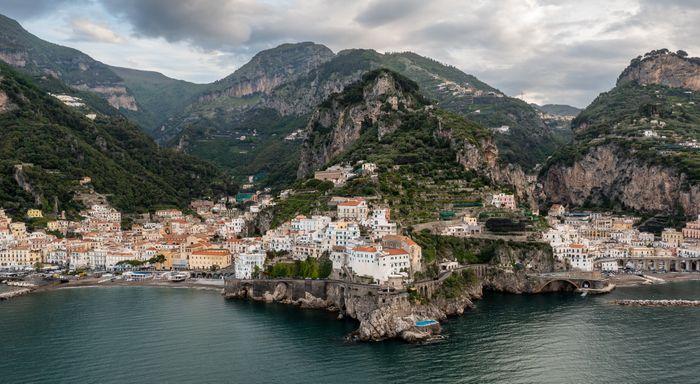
629, 281
207, 285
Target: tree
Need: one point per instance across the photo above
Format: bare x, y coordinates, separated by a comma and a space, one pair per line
157, 259
682, 53
256, 272
37, 266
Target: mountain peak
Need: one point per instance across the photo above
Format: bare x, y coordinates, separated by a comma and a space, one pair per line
272, 67
381, 99
663, 67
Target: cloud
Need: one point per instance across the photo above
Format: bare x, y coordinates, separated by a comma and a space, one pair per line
208, 24
85, 30
28, 9
553, 50
380, 12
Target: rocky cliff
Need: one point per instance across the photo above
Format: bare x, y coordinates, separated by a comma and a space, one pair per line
666, 68
635, 146
609, 176
270, 68
380, 315
381, 98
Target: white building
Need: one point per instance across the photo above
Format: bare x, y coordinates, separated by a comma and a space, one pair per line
379, 223
342, 233
609, 266
245, 263
378, 263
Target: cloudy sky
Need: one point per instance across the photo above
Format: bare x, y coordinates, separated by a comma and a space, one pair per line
544, 51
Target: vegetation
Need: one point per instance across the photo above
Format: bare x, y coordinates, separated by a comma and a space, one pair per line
457, 283
619, 117
46, 147
309, 197
464, 250
310, 268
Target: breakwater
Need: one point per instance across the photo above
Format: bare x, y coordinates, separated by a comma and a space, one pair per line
14, 293
658, 303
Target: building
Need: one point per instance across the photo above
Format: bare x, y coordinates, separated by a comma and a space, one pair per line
407, 244
342, 233
557, 210
209, 258
19, 257
609, 266
245, 263
503, 200
369, 168
377, 263
692, 229
336, 174
353, 209
168, 214
380, 224
34, 213
468, 227
576, 254
671, 237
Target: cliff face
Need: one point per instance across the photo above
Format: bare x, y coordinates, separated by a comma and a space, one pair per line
483, 157
269, 69
634, 145
607, 174
381, 98
380, 316
663, 68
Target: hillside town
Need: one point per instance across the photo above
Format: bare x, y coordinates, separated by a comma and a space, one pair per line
610, 243
361, 241
358, 238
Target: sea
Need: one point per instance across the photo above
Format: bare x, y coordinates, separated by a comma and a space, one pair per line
171, 335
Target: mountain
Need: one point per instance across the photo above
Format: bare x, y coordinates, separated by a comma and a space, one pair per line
428, 159
35, 56
223, 125
46, 147
636, 147
159, 96
249, 122
148, 98
558, 110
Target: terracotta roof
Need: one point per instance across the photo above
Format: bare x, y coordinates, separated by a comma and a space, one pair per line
365, 249
395, 252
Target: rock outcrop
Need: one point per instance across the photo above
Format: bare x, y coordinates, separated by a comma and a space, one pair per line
269, 69
632, 147
609, 175
380, 316
381, 98
662, 67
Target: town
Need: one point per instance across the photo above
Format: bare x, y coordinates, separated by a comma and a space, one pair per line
355, 241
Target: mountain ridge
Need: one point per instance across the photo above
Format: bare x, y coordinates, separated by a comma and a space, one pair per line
635, 146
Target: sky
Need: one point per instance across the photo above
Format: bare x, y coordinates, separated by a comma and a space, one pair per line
543, 51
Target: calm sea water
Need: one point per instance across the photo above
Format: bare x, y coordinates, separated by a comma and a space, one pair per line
160, 335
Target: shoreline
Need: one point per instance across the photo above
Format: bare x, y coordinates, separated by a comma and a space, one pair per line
629, 281
94, 283
620, 281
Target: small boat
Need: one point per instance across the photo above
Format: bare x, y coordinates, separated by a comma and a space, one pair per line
177, 277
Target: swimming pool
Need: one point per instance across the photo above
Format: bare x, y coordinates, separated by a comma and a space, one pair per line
425, 323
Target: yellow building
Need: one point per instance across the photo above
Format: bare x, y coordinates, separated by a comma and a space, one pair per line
34, 213
672, 237
19, 257
207, 258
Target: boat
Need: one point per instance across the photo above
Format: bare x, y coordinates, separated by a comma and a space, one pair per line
177, 277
